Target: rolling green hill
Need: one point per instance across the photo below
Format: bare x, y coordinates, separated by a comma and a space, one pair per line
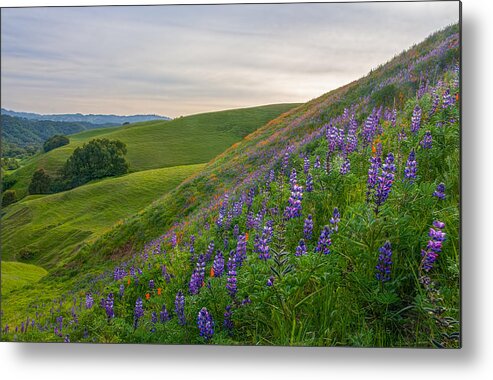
157, 144
45, 229
16, 275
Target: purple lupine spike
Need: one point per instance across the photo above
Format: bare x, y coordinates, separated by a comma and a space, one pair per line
231, 285
270, 281
427, 141
293, 210
373, 170
308, 227
393, 118
309, 183
173, 240
334, 221
384, 264
317, 164
345, 167
210, 251
435, 101
151, 284
205, 324
370, 128
164, 315
180, 308
250, 197
440, 191
293, 178
384, 182
166, 275
226, 243
89, 301
109, 306
434, 247
66, 339
411, 167
447, 99
324, 241
416, 119
402, 135
121, 290
198, 275
301, 248
228, 323
306, 165
138, 311
263, 245
218, 264
241, 255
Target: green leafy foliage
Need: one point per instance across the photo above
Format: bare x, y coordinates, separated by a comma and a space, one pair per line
55, 142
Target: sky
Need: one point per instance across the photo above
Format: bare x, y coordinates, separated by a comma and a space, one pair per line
182, 60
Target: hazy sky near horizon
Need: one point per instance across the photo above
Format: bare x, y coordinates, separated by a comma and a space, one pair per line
180, 60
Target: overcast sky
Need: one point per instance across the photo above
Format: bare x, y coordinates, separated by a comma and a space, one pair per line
180, 60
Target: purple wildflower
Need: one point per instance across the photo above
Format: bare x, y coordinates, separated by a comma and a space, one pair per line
301, 248
384, 265
89, 301
427, 141
122, 290
440, 191
345, 167
317, 163
293, 209
228, 322
218, 264
138, 311
109, 306
308, 227
205, 324
210, 251
373, 170
263, 244
164, 315
306, 165
151, 284
324, 241
198, 276
411, 167
448, 100
231, 285
309, 183
180, 308
385, 181
336, 218
270, 281
165, 273
241, 250
416, 119
434, 247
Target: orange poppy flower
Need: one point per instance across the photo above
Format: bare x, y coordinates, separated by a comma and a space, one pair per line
457, 97
128, 282
212, 272
159, 291
246, 236
148, 296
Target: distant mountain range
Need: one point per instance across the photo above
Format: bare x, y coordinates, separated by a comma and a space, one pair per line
91, 118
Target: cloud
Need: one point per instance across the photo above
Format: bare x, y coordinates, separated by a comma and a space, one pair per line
178, 60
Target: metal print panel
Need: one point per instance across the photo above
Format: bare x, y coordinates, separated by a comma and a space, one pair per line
268, 174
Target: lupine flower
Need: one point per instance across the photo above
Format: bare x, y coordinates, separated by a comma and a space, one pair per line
336, 218
231, 285
151, 284
317, 164
373, 170
385, 181
416, 120
270, 281
301, 248
435, 101
210, 251
427, 141
370, 128
263, 245
164, 315
308, 227
324, 241
173, 240
241, 250
293, 178
109, 306
89, 301
218, 265
236, 228
448, 100
384, 265
434, 247
246, 301
180, 308
228, 322
122, 290
309, 183
165, 273
345, 167
411, 167
66, 339
206, 324
440, 191
306, 165
293, 209
198, 276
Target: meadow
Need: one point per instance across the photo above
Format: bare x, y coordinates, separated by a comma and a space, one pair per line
335, 224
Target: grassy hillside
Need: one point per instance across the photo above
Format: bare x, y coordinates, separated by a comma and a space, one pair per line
157, 144
16, 275
44, 229
233, 246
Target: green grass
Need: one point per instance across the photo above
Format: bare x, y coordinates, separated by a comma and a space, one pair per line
157, 144
47, 228
16, 275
